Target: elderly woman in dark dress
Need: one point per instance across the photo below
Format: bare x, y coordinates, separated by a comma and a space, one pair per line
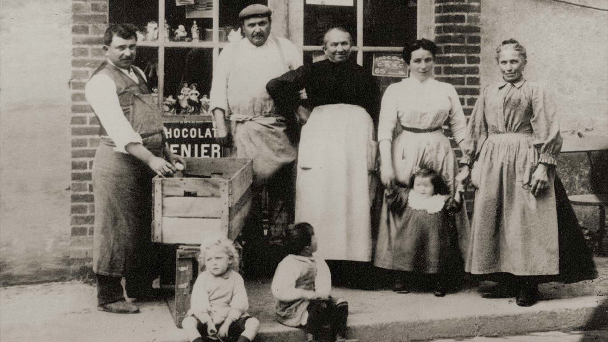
336, 144
512, 143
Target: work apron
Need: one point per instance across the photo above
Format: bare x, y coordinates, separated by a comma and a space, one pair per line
123, 195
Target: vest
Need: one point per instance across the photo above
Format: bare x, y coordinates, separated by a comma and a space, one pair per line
138, 105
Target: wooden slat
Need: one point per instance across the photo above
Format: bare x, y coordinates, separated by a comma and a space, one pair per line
238, 220
190, 230
203, 207
202, 187
241, 183
228, 167
589, 199
158, 210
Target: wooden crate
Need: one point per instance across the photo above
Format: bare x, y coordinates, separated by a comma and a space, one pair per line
214, 196
186, 271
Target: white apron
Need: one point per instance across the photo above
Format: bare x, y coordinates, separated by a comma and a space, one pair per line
332, 191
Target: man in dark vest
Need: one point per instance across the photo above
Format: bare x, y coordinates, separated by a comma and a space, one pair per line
131, 152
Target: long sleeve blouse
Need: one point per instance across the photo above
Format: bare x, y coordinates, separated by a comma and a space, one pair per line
522, 107
421, 105
219, 297
325, 83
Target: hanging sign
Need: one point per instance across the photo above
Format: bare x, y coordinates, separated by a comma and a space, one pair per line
193, 139
389, 65
330, 2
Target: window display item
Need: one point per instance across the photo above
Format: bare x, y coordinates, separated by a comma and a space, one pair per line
180, 34
152, 31
195, 34
167, 31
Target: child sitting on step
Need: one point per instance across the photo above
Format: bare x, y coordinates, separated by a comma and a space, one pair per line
219, 302
301, 285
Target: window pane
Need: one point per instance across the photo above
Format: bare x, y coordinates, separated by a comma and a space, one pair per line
147, 60
183, 69
320, 18
389, 22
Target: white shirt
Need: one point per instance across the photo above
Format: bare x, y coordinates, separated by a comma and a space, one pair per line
421, 105
242, 71
101, 94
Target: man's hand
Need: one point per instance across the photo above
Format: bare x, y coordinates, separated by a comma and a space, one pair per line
303, 113
540, 180
160, 166
223, 332
174, 159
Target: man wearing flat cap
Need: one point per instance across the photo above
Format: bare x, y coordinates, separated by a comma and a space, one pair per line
238, 92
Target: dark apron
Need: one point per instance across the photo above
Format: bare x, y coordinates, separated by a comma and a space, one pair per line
123, 194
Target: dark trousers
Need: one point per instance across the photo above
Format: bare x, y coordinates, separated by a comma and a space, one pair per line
326, 318
110, 290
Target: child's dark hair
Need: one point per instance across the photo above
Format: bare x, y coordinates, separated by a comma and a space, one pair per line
441, 187
297, 237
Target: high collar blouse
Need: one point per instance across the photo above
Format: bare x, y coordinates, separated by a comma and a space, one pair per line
421, 105
523, 107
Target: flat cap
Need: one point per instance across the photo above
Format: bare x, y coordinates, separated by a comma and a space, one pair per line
255, 10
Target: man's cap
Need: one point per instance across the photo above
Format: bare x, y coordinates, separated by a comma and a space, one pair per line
255, 10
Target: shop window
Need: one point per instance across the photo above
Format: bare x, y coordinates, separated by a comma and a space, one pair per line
179, 44
377, 27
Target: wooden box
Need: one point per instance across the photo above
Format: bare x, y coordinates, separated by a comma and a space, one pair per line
214, 196
186, 271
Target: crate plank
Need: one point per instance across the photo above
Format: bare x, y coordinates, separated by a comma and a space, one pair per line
237, 219
194, 187
191, 230
227, 167
240, 184
193, 207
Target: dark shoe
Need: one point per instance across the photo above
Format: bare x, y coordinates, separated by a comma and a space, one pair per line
400, 287
501, 290
527, 296
121, 307
439, 292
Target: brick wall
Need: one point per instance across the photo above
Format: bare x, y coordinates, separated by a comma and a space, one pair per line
89, 22
458, 36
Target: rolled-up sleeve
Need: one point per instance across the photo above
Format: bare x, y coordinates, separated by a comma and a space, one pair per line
219, 86
388, 114
100, 91
545, 125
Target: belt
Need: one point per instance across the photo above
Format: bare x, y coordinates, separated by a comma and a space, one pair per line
421, 130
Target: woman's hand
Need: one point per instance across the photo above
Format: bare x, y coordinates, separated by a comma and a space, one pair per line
387, 175
463, 177
540, 180
160, 166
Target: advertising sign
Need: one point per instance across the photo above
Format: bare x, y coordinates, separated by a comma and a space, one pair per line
389, 65
193, 139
